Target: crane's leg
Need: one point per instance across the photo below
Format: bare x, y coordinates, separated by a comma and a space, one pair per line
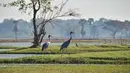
67, 52
45, 52
61, 53
50, 50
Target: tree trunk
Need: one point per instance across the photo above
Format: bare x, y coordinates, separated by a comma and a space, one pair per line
114, 34
16, 36
36, 42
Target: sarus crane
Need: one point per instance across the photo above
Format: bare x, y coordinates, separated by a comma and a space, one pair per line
46, 44
66, 44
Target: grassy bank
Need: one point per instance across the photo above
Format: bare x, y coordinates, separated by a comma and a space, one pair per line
71, 68
8, 47
101, 54
70, 49
120, 57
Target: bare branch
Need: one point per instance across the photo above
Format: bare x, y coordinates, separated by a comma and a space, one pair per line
61, 8
52, 24
39, 5
33, 5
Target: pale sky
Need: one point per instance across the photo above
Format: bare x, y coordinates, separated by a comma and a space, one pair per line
110, 9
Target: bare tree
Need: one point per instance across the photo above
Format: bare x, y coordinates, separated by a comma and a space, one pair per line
46, 10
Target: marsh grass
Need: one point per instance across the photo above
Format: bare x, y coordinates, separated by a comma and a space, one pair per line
84, 54
62, 68
11, 47
120, 57
7, 47
70, 49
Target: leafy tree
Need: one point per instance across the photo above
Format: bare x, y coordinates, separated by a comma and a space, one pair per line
114, 26
82, 22
91, 22
15, 28
47, 12
127, 24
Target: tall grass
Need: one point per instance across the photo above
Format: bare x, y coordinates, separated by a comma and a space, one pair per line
100, 54
70, 49
120, 57
75, 68
8, 47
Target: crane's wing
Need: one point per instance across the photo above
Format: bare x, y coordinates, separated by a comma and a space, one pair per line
65, 45
44, 46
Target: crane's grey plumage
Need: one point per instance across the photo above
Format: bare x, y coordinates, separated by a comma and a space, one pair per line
66, 44
46, 44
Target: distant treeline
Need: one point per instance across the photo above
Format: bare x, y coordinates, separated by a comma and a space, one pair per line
83, 28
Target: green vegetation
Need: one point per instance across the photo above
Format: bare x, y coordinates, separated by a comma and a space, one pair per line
82, 59
69, 68
121, 57
70, 49
101, 54
8, 47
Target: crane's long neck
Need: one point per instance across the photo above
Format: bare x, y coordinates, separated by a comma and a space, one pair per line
70, 37
49, 39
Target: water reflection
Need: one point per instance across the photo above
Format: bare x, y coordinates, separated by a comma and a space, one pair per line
5, 49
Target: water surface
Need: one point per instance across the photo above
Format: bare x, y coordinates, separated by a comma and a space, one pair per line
5, 49
11, 56
26, 44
